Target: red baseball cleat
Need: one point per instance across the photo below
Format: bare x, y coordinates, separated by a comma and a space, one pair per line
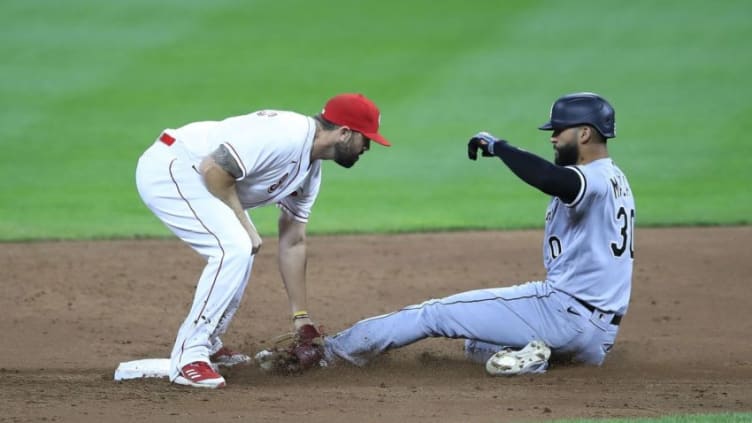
200, 375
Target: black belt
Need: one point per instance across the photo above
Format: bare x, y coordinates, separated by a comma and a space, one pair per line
616, 319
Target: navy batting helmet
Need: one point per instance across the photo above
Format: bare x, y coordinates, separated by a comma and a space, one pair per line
582, 109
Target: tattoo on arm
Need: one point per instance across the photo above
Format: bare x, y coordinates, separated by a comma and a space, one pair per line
225, 160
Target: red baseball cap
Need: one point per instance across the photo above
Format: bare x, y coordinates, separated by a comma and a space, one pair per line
357, 112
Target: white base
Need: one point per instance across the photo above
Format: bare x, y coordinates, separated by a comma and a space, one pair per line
137, 369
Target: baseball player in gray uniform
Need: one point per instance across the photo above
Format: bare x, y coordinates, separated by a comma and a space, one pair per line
588, 253
199, 180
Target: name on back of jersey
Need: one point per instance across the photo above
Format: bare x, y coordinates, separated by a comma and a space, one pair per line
620, 186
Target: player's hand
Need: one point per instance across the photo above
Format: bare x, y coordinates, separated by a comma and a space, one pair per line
483, 141
256, 241
308, 346
293, 352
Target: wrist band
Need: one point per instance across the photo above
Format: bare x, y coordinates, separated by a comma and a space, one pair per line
302, 314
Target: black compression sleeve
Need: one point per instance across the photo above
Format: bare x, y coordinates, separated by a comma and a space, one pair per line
553, 180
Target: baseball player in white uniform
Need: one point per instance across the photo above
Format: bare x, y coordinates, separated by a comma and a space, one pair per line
201, 178
587, 251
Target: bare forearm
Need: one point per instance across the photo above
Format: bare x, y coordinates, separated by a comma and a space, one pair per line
292, 266
229, 197
222, 185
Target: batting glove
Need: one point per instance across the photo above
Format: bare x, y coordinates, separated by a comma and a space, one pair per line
483, 141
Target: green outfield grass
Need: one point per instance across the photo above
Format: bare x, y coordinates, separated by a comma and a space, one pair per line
87, 86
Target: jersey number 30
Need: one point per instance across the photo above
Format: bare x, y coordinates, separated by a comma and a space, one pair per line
627, 233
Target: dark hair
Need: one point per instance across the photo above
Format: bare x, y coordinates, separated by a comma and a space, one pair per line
325, 124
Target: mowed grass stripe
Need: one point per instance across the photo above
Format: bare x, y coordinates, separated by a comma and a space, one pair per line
85, 108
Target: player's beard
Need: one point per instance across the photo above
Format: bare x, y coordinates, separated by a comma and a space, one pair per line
566, 154
343, 156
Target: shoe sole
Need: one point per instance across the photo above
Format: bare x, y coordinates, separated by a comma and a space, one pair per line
206, 383
232, 362
531, 359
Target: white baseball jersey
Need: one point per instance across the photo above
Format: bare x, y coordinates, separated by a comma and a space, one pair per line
273, 152
588, 246
276, 167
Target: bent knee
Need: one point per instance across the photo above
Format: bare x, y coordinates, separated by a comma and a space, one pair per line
238, 250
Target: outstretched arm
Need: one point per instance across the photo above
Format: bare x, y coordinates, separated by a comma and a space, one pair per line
558, 181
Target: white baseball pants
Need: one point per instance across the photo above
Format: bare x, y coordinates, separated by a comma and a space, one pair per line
173, 189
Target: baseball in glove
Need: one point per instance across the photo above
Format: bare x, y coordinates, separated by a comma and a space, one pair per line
293, 352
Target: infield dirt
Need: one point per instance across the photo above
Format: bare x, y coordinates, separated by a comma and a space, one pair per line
74, 310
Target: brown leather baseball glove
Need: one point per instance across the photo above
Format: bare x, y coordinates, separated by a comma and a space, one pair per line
293, 352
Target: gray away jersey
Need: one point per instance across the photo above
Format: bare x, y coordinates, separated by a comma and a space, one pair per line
588, 249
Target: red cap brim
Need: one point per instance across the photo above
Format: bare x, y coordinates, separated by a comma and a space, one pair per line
378, 138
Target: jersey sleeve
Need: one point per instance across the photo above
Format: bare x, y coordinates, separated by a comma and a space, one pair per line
256, 155
300, 202
260, 140
591, 187
236, 155
551, 179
